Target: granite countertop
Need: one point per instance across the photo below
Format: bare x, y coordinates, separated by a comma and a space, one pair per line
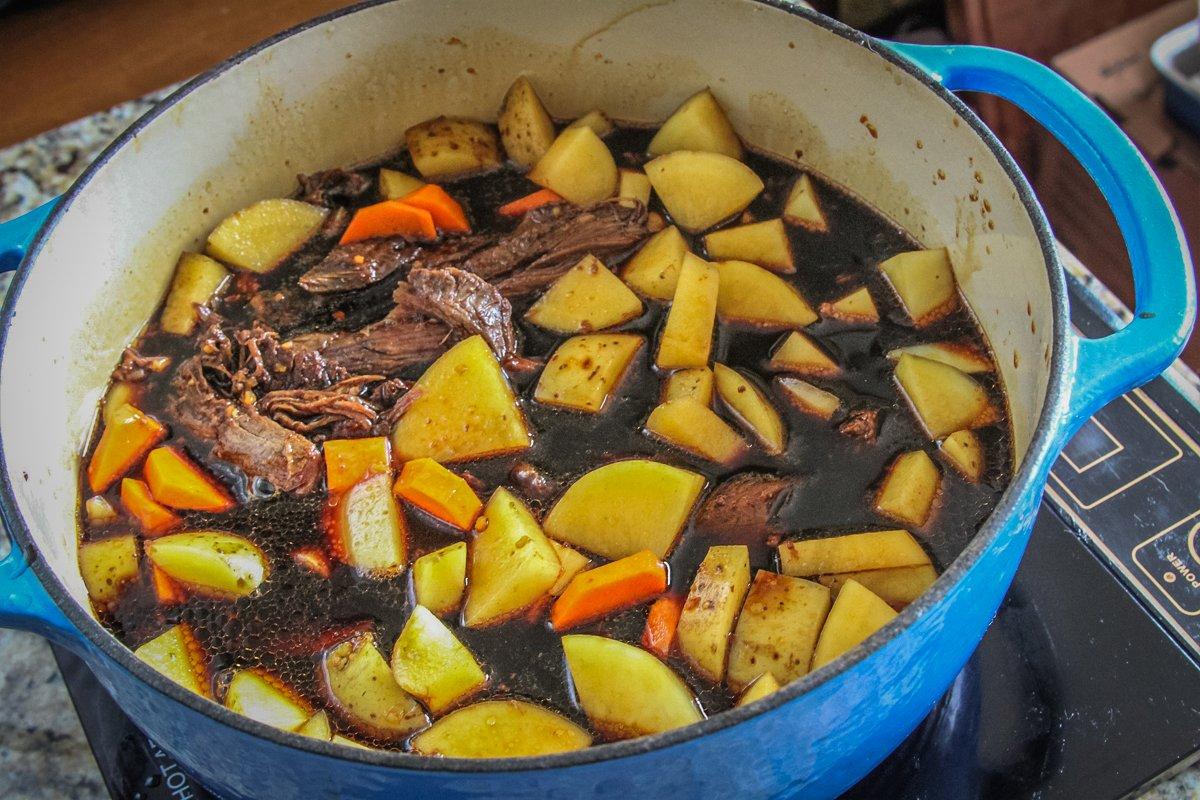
43, 752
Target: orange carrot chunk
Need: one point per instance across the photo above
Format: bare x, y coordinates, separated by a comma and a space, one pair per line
447, 214
611, 587
436, 490
659, 634
348, 461
177, 482
542, 197
166, 590
390, 218
155, 518
127, 437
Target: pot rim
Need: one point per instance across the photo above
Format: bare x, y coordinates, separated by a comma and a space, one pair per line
1024, 479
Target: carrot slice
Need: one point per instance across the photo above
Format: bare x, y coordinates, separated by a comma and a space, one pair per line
166, 590
390, 218
348, 461
155, 518
127, 437
447, 214
177, 482
314, 560
542, 197
611, 587
436, 490
659, 634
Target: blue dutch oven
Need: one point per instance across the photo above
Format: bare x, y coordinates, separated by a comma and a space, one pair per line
879, 118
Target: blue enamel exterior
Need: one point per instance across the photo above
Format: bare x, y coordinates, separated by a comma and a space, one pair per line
819, 735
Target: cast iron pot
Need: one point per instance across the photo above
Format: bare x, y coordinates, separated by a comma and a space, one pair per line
879, 118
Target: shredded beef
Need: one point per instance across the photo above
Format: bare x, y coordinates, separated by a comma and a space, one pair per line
465, 302
862, 424
743, 508
136, 367
321, 413
358, 264
386, 347
333, 187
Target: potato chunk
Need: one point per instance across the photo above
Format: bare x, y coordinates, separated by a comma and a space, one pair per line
624, 507
692, 426
924, 282
624, 690
526, 130
431, 664
945, 399
808, 398
369, 532
686, 338
447, 147
777, 629
261, 696
799, 354
584, 370
317, 727
586, 298
464, 410
653, 271
260, 236
762, 243
634, 185
500, 729
197, 279
753, 296
597, 120
852, 552
107, 565
908, 491
759, 688
856, 307
956, 354
696, 383
711, 608
212, 563
698, 124
751, 408
855, 615
701, 189
394, 185
359, 685
803, 206
578, 166
440, 578
513, 565
573, 562
176, 654
897, 586
963, 451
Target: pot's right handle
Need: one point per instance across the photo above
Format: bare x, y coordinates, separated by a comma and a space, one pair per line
1165, 307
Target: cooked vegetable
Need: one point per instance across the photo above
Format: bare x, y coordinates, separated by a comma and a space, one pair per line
439, 492
654, 270
777, 629
447, 214
317, 727
855, 615
176, 654
447, 147
390, 218
694, 427
958, 355
803, 206
348, 742
213, 563
586, 298
176, 481
762, 243
358, 683
711, 607
908, 490
526, 130
541, 197
107, 565
857, 307
464, 409
686, 338
394, 185
924, 282
851, 553
634, 185
626, 691
513, 565
577, 166
368, 530
963, 451
762, 686
166, 591
261, 696
595, 119
440, 578
808, 398
801, 355
624, 507
99, 511
584, 370
432, 665
945, 399
500, 729
701, 189
897, 586
753, 296
572, 561
695, 383
259, 237
120, 393
154, 518
127, 437
662, 622
698, 124
197, 279
349, 461
314, 560
751, 408
610, 587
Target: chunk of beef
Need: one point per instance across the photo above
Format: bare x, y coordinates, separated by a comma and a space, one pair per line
861, 424
532, 482
136, 367
465, 302
334, 187
358, 264
336, 412
194, 404
386, 347
743, 508
263, 448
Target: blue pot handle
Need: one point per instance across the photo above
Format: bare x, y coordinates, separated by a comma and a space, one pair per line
1165, 306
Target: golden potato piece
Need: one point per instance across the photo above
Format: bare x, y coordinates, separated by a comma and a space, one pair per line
695, 383
945, 399
624, 690
692, 426
625, 507
897, 586
526, 130
924, 282
578, 166
586, 298
394, 184
597, 120
908, 490
762, 243
701, 189
317, 727
431, 664
500, 729
698, 124
573, 562
963, 451
777, 629
857, 307
440, 578
120, 393
176, 654
751, 408
370, 531
852, 552
261, 696
197, 279
260, 236
360, 688
585, 369
803, 206
464, 409
107, 565
213, 563
653, 271
800, 354
956, 354
753, 296
808, 398
686, 338
762, 686
447, 147
855, 615
634, 185
711, 608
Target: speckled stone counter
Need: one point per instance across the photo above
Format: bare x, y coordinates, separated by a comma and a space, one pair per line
43, 752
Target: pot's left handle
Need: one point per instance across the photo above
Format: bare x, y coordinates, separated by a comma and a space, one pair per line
16, 235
